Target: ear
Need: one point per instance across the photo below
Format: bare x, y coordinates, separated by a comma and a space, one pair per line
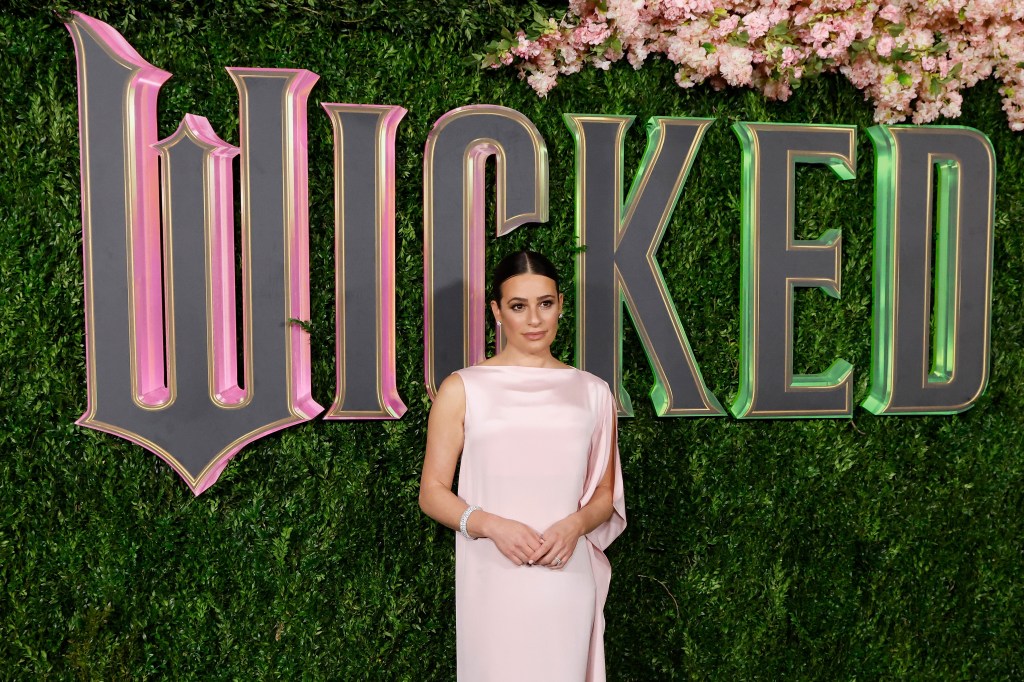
496, 311
561, 300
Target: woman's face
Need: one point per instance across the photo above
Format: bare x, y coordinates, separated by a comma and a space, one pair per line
528, 311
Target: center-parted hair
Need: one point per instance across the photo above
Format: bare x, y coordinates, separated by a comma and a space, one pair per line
521, 263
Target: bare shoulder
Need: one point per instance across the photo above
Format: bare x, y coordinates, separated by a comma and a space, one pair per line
451, 396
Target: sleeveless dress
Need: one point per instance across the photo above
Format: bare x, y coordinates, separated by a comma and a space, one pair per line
537, 442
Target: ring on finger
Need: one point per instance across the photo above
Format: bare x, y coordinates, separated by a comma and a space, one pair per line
558, 561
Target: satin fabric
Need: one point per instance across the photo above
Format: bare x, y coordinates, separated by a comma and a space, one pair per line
537, 443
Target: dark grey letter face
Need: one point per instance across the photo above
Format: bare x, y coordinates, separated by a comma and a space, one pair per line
930, 346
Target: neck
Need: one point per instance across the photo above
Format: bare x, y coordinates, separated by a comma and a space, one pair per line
510, 356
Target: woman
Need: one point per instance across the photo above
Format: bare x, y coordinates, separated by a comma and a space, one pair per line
540, 493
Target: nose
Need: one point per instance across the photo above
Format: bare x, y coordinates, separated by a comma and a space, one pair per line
534, 317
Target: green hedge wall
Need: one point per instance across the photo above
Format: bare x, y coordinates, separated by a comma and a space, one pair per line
821, 549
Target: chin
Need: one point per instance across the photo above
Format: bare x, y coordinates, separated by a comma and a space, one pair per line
534, 346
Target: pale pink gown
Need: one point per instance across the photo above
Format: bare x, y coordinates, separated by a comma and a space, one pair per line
538, 441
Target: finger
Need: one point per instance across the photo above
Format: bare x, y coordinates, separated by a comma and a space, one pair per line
517, 554
531, 540
566, 554
553, 552
540, 551
562, 560
549, 561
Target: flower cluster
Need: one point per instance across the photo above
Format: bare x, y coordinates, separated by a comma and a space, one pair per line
910, 57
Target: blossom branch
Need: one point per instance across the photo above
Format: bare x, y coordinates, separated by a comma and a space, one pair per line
911, 58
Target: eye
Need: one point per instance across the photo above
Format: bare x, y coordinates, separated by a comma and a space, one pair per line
547, 304
516, 307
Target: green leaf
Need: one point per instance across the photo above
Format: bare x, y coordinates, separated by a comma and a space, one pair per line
307, 325
895, 29
740, 39
906, 80
779, 29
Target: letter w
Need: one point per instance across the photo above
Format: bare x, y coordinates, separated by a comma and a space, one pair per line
162, 366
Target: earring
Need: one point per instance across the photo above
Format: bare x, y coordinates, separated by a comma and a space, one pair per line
561, 315
499, 323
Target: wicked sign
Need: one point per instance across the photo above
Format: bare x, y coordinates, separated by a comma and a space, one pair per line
159, 258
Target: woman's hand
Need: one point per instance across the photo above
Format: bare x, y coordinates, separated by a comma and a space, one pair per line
517, 541
559, 543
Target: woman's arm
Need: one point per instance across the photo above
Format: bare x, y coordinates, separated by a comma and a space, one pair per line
445, 438
599, 508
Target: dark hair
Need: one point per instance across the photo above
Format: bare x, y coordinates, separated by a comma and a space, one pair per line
521, 263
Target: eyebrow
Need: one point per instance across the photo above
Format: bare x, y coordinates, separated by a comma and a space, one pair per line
539, 298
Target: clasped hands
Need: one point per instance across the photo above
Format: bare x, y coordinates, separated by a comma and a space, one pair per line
523, 545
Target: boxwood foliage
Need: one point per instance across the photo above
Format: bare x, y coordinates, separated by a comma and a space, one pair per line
810, 549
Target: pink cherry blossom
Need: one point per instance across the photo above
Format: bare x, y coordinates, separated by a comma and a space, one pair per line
591, 33
757, 23
541, 82
890, 13
734, 65
884, 45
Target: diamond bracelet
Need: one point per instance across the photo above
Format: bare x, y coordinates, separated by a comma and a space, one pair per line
462, 522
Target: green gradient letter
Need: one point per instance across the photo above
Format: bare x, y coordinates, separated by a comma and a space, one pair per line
905, 377
773, 263
618, 264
